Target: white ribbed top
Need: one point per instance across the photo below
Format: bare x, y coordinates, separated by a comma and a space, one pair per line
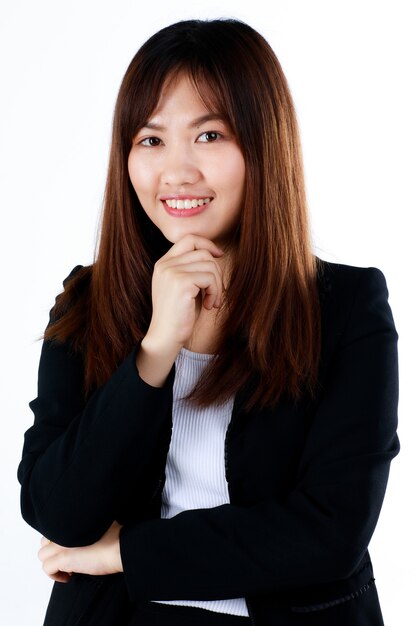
195, 471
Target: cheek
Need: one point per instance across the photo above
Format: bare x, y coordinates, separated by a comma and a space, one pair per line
132, 170
232, 172
140, 176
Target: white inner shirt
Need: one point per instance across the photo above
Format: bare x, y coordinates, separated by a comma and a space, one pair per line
195, 470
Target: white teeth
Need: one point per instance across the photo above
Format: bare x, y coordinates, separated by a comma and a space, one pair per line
187, 204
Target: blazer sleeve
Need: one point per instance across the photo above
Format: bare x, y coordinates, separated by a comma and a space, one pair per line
321, 531
78, 457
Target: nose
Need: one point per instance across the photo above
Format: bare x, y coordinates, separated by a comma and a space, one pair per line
179, 167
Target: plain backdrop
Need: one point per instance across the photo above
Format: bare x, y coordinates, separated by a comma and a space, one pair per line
351, 66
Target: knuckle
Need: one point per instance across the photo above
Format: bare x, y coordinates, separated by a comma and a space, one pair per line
183, 280
206, 254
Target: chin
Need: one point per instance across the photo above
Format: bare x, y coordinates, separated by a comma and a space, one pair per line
176, 235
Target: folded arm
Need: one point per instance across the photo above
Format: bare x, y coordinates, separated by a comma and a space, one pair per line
321, 531
79, 458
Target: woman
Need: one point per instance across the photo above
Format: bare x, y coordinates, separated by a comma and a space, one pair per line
216, 412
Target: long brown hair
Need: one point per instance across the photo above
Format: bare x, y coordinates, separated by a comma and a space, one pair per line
271, 330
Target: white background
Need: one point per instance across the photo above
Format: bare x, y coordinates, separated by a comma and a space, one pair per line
351, 66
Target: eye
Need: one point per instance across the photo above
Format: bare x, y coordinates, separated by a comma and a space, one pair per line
152, 142
209, 136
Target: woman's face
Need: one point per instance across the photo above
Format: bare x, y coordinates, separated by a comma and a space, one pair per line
182, 159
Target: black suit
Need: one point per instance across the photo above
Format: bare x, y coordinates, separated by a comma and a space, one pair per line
306, 481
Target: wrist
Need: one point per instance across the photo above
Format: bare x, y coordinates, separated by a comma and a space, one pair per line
155, 359
156, 346
118, 558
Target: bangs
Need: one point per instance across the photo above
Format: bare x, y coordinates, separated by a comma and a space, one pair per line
204, 82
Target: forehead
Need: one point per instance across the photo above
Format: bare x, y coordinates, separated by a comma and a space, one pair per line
181, 92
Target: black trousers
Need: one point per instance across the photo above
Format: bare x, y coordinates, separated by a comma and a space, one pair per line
158, 614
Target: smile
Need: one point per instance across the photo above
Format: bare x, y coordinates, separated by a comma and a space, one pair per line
186, 208
187, 204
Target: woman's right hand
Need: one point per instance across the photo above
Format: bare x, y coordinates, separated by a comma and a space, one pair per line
185, 271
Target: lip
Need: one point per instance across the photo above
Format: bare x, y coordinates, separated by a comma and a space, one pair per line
185, 212
185, 196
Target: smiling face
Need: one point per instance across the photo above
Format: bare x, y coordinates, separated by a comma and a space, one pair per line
187, 168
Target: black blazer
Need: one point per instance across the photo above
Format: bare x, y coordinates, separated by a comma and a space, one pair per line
306, 480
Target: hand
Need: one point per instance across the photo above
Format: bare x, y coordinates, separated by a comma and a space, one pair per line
100, 558
187, 270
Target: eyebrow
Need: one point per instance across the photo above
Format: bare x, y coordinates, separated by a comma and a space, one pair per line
197, 122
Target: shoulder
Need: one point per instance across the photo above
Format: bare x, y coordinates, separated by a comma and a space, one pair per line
78, 280
353, 299
79, 275
75, 291
72, 273
343, 280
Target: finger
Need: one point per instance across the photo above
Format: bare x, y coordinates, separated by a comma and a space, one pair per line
57, 564
191, 256
211, 295
45, 552
188, 263
61, 577
49, 550
201, 262
209, 301
207, 267
202, 280
193, 242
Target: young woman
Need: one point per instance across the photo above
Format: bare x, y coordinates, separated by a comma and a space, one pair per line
216, 412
